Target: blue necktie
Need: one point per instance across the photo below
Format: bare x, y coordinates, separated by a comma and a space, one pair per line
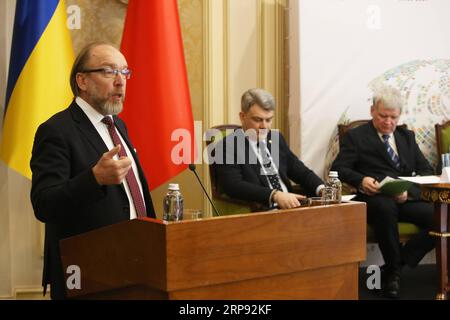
394, 157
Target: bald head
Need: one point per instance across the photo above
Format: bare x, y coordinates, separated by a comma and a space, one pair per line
105, 55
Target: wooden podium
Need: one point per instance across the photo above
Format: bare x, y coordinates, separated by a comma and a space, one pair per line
304, 253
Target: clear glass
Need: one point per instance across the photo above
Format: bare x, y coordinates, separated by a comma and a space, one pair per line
192, 214
317, 201
445, 159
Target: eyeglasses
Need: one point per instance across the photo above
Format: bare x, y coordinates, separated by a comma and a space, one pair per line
110, 72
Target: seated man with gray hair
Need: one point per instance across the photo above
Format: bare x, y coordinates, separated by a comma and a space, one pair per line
368, 154
257, 163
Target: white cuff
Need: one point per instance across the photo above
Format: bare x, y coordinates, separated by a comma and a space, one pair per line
319, 188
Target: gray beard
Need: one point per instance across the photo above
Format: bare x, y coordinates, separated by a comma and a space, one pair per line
112, 108
108, 108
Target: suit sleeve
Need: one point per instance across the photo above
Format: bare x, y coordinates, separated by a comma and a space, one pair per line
234, 185
230, 175
346, 160
55, 194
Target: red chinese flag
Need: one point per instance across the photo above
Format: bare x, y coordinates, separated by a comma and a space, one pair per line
157, 101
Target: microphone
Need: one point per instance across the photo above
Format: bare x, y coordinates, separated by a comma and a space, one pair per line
192, 168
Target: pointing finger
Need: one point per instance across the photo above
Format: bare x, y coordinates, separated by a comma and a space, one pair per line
111, 153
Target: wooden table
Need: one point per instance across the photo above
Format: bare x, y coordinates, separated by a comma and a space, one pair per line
302, 253
439, 194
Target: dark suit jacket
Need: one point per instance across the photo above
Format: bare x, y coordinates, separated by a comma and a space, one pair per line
242, 179
362, 154
64, 192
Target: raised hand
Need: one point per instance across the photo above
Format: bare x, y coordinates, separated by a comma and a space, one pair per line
109, 171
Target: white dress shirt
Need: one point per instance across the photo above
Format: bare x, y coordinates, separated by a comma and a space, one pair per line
96, 119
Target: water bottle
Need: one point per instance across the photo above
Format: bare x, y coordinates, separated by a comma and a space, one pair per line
336, 186
173, 204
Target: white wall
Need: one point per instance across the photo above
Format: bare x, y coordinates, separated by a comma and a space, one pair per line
348, 46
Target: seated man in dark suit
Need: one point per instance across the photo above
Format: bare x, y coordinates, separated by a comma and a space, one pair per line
368, 154
86, 173
257, 162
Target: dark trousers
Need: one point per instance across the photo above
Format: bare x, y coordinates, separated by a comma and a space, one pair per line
383, 215
57, 281
57, 291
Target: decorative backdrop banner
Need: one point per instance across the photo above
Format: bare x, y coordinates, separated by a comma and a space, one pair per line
348, 47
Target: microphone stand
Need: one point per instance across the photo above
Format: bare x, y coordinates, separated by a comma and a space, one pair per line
192, 168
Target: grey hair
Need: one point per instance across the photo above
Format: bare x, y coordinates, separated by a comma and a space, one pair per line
389, 96
261, 97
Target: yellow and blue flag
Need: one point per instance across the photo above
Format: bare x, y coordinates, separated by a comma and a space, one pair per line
38, 78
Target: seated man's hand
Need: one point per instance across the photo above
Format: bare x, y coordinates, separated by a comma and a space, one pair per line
402, 197
286, 200
109, 171
370, 186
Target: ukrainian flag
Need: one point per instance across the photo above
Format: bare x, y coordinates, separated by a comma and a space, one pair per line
38, 79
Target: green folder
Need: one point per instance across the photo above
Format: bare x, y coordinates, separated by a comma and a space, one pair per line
393, 187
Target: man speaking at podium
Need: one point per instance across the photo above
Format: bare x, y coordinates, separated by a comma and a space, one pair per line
86, 173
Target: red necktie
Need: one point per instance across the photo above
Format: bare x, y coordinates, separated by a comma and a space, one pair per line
138, 200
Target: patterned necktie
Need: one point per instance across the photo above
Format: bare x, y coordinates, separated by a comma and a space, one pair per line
394, 157
271, 173
133, 185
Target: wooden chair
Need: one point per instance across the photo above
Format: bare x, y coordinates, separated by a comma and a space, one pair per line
442, 132
405, 229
